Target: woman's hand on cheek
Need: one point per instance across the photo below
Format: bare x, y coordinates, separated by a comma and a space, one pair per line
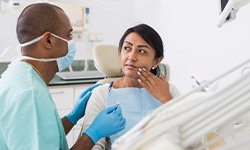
158, 87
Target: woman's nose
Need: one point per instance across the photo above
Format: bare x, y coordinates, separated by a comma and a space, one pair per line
132, 56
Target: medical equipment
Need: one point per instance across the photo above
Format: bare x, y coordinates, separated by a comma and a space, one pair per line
80, 75
229, 8
86, 20
212, 87
185, 121
198, 83
15, 3
245, 70
118, 102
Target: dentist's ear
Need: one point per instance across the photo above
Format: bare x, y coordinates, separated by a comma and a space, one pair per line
47, 40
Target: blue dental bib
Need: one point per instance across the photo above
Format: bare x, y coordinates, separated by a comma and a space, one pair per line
136, 104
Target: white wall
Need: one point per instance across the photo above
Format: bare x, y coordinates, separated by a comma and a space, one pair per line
109, 17
194, 45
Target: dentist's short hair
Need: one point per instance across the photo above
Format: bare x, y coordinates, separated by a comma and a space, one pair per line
36, 19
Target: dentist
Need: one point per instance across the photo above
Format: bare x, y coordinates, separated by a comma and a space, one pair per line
28, 116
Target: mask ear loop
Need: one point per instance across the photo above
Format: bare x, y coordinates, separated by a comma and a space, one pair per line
19, 46
60, 37
39, 59
32, 41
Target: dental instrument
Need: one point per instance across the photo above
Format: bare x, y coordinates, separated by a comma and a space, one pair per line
118, 102
198, 83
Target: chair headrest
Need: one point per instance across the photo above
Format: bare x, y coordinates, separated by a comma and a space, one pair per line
107, 60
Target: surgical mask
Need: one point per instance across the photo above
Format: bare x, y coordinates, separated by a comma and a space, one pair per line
62, 62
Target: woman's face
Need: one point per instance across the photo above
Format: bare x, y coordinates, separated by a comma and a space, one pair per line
136, 53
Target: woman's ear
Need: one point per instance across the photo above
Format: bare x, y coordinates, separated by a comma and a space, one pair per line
157, 61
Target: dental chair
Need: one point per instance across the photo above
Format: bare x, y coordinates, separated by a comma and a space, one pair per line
107, 61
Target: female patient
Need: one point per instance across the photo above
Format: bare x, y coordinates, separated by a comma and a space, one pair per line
142, 89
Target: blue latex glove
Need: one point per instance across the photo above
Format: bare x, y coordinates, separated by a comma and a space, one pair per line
108, 122
79, 110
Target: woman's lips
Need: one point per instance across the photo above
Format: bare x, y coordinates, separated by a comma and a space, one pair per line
129, 66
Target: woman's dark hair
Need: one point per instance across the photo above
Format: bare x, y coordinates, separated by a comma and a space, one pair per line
149, 35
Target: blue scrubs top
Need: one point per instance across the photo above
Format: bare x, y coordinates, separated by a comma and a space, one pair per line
28, 115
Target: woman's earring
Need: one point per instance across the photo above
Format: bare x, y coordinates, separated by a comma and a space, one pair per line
153, 67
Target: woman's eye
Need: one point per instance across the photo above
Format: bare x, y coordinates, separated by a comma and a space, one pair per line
142, 51
126, 48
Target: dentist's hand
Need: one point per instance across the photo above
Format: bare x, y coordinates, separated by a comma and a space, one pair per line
108, 122
79, 110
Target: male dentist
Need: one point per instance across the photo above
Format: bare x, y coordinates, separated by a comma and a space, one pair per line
28, 116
